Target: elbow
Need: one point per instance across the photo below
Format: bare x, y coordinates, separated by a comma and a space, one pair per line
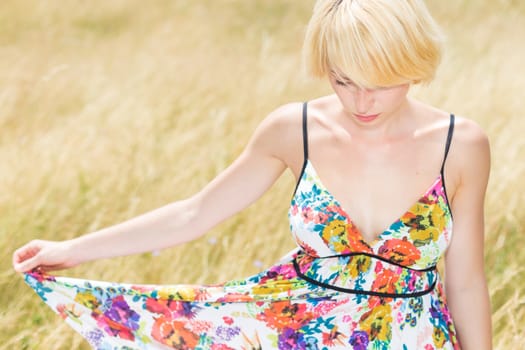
183, 223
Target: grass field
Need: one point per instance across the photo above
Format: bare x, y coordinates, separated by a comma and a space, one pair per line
111, 108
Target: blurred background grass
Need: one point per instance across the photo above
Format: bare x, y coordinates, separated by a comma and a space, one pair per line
111, 108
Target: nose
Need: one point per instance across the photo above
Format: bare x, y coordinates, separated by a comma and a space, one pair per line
364, 100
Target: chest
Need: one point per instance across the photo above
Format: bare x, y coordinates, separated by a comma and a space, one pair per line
375, 185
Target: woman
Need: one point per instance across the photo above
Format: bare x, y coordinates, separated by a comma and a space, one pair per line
364, 274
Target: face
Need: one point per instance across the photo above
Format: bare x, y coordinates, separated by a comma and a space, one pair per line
369, 106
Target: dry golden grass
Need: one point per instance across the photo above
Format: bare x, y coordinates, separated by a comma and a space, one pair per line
111, 108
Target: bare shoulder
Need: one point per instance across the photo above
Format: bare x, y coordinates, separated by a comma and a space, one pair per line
280, 134
470, 139
468, 161
468, 136
470, 152
468, 131
284, 118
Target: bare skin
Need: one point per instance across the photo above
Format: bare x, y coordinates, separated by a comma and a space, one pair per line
376, 169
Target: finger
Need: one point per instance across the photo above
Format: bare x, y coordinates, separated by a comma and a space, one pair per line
18, 256
25, 252
49, 268
28, 264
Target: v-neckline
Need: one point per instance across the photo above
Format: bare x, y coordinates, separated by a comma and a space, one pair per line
349, 219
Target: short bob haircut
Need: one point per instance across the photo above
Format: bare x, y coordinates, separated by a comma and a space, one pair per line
373, 43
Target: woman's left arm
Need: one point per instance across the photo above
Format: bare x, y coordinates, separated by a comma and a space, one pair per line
465, 284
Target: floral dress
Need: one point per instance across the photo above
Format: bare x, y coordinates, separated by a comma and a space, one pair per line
335, 291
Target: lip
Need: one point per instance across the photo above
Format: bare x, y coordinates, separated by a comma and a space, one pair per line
366, 118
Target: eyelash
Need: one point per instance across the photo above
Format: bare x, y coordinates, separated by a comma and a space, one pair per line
342, 83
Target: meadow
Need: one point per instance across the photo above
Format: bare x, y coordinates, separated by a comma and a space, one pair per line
109, 109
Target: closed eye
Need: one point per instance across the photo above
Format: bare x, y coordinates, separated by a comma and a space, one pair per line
345, 83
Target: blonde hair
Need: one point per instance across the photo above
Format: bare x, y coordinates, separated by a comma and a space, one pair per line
374, 43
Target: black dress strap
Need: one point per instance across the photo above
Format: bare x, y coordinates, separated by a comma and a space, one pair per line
305, 145
305, 131
449, 141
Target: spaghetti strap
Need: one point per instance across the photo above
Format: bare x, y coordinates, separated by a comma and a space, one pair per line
449, 141
305, 131
305, 145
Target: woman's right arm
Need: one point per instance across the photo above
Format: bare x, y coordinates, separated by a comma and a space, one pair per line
244, 181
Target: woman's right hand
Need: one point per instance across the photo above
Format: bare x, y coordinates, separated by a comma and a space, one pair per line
44, 255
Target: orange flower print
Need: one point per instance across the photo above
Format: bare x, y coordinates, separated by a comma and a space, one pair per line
376, 322
173, 333
400, 251
385, 281
284, 314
